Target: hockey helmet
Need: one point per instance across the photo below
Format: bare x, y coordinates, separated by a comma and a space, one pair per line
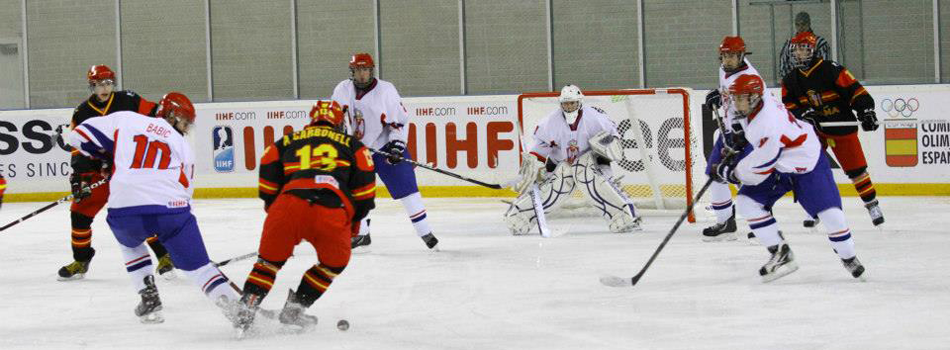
361, 60
805, 39
326, 112
176, 108
99, 72
747, 84
732, 44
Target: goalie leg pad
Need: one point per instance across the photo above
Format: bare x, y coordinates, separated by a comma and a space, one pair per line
606, 196
554, 191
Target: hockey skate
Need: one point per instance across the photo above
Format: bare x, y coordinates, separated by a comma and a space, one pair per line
165, 267
781, 263
293, 313
431, 241
360, 241
855, 268
874, 209
725, 231
76, 270
811, 223
149, 309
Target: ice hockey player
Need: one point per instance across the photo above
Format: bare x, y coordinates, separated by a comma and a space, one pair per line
3, 188
821, 92
317, 184
574, 145
375, 116
86, 202
152, 185
786, 156
732, 55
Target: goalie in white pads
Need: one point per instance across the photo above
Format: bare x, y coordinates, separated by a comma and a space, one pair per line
573, 146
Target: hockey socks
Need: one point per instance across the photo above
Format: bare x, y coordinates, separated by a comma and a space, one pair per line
213, 283
721, 197
838, 232
417, 213
138, 264
315, 282
261, 279
81, 236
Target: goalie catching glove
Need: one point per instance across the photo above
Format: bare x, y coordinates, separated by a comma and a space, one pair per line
532, 171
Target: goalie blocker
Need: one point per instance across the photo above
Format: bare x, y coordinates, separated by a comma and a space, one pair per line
556, 182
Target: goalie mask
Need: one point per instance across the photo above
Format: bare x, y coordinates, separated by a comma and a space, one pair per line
571, 99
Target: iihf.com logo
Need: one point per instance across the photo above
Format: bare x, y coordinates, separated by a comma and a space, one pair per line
223, 150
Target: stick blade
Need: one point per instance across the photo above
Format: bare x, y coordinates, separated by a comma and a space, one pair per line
614, 281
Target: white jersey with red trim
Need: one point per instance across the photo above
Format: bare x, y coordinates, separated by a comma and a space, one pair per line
375, 117
725, 80
781, 143
556, 140
153, 164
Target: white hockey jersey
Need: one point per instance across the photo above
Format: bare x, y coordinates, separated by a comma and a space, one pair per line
556, 140
153, 164
725, 80
377, 116
781, 143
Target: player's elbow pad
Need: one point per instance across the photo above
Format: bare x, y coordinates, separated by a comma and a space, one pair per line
750, 176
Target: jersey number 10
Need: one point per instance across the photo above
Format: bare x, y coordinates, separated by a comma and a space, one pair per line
145, 153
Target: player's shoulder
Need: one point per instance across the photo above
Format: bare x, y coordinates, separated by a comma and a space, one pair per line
343, 85
386, 87
594, 111
127, 95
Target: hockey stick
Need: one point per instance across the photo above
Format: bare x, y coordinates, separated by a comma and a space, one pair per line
236, 259
51, 205
440, 171
614, 281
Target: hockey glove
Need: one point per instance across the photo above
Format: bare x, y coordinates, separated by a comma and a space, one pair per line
80, 186
713, 99
395, 148
736, 139
811, 116
726, 172
868, 119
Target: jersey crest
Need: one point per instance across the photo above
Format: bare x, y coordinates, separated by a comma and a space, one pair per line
572, 151
359, 124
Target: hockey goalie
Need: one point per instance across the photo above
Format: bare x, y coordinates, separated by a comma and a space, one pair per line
573, 146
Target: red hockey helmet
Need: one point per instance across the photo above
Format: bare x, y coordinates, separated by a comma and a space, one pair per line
747, 84
100, 72
176, 104
732, 44
805, 38
361, 60
326, 112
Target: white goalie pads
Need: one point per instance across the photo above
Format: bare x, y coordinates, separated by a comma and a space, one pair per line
606, 145
531, 172
552, 192
601, 192
605, 195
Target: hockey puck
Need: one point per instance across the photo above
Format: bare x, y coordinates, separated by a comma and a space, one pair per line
343, 325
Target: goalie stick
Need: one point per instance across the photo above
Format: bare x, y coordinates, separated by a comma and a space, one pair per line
614, 281
51, 205
440, 171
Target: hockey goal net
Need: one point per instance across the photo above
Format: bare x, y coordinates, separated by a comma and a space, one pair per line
659, 169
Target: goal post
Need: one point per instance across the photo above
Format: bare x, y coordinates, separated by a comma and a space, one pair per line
659, 137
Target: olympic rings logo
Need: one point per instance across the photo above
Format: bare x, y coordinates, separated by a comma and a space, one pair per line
900, 107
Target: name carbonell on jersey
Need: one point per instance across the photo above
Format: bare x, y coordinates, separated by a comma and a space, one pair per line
317, 132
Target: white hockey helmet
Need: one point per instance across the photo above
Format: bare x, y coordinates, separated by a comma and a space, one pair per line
571, 93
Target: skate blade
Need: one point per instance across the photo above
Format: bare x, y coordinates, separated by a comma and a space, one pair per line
77, 276
721, 238
169, 276
152, 318
781, 272
361, 250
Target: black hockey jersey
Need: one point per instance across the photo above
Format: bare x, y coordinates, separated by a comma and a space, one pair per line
829, 89
322, 166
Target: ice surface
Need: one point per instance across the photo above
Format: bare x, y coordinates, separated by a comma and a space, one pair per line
489, 290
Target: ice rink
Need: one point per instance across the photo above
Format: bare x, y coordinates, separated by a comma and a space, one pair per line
489, 290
